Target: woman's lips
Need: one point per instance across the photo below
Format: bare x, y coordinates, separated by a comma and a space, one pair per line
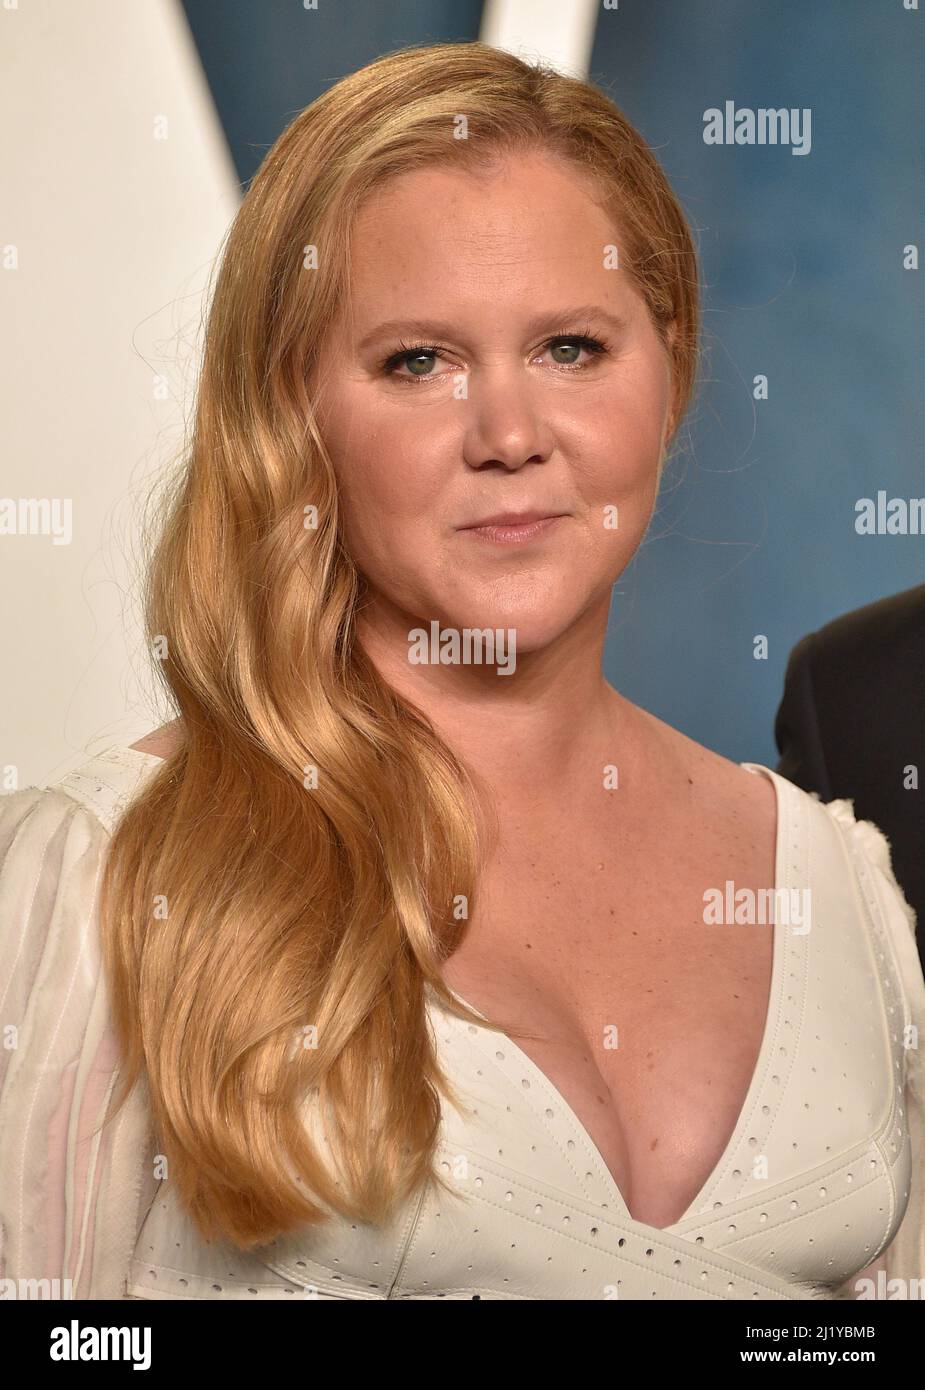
513, 533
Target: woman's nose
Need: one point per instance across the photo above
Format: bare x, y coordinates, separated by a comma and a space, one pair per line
505, 423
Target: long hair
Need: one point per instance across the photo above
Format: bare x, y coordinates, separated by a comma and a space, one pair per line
279, 897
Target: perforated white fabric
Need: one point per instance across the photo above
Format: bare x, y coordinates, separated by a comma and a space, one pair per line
813, 1184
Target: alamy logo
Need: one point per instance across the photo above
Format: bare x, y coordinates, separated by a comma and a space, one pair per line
37, 516
76, 1343
764, 125
469, 646
889, 1288
894, 516
728, 906
36, 1288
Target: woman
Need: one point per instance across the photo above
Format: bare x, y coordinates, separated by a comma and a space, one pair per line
453, 336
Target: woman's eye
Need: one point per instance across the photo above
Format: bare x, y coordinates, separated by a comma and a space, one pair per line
573, 347
419, 362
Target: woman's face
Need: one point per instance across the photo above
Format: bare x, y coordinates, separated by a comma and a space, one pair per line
506, 412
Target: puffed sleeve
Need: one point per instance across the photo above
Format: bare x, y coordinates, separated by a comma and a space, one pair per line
905, 1256
69, 1189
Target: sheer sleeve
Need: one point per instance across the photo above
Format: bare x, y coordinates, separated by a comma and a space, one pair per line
904, 1258
69, 1190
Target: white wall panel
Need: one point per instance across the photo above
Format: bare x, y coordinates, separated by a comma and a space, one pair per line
559, 31
117, 188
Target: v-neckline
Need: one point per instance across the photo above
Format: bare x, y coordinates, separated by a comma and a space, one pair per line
781, 884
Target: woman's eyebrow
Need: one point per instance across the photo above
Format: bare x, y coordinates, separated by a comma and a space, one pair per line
549, 320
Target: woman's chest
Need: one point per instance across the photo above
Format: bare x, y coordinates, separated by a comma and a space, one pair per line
655, 1068
644, 1013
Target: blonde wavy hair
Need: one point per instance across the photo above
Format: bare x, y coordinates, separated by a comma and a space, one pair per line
298, 862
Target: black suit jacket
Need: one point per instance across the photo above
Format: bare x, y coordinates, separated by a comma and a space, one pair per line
852, 718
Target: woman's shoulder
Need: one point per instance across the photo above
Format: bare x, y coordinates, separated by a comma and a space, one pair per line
833, 846
728, 788
871, 861
818, 842
101, 785
846, 864
162, 742
52, 839
866, 850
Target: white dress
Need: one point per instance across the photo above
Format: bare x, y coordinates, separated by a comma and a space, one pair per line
824, 1170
